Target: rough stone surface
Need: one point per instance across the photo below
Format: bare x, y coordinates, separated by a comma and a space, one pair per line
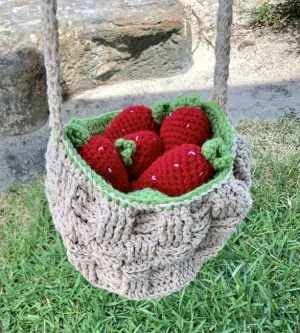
100, 41
23, 100
119, 40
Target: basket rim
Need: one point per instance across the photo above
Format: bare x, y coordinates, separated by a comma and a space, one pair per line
221, 128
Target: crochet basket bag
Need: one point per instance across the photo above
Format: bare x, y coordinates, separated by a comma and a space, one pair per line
144, 244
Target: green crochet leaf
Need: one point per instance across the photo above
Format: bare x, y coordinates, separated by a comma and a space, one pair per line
215, 152
210, 149
77, 133
126, 148
222, 162
160, 110
192, 100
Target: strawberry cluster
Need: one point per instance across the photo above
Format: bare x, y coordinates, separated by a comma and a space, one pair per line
135, 152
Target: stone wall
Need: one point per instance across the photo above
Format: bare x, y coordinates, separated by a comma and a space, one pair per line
101, 41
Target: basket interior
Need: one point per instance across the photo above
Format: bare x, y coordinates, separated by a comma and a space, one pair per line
218, 150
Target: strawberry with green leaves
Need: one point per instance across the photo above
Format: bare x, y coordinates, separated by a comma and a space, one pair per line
178, 171
138, 151
185, 125
103, 157
132, 119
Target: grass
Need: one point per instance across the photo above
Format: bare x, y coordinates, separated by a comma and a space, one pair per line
252, 286
278, 14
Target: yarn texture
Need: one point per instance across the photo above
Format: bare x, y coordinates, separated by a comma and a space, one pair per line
127, 149
102, 156
178, 171
144, 244
132, 119
147, 148
77, 132
222, 131
185, 125
136, 250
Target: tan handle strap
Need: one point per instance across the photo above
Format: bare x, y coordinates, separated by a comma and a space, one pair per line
222, 52
52, 64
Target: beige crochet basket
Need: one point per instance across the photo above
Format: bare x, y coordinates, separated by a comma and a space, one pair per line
136, 248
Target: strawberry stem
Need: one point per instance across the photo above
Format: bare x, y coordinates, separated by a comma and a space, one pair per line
126, 148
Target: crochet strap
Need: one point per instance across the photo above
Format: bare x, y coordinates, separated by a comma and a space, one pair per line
52, 64
52, 61
222, 52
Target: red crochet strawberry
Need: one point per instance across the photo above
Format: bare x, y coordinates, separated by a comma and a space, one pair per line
102, 156
185, 125
138, 151
132, 119
178, 171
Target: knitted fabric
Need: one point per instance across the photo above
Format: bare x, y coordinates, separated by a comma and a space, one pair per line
137, 250
219, 155
132, 119
160, 110
102, 156
143, 246
185, 125
126, 149
77, 132
148, 148
178, 171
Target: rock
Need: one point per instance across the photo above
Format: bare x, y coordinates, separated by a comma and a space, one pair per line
119, 40
100, 41
23, 101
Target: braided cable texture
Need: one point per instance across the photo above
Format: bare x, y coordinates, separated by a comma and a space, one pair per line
52, 64
142, 251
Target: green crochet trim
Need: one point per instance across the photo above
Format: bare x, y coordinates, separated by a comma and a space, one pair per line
126, 148
77, 133
218, 150
98, 125
161, 109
